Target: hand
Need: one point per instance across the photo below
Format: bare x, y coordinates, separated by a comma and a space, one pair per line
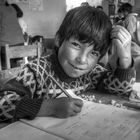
61, 107
121, 40
65, 107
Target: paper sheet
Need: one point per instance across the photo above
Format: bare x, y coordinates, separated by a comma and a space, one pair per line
21, 131
137, 87
96, 121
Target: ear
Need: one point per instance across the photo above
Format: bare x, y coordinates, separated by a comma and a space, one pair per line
57, 40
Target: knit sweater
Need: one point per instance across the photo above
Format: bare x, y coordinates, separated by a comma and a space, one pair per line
22, 97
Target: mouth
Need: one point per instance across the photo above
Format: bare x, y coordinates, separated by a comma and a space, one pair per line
77, 68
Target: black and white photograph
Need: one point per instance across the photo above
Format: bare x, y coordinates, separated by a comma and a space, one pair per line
69, 70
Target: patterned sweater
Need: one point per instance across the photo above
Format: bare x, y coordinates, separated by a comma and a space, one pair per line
22, 97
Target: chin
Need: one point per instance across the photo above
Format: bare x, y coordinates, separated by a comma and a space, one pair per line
75, 75
71, 72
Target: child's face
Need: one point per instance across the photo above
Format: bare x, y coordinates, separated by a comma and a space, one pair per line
77, 58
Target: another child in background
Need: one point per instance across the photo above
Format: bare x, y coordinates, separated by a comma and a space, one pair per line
22, 23
130, 23
82, 40
100, 7
84, 4
119, 20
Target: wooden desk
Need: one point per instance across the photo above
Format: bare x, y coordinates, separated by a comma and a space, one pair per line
3, 125
21, 131
96, 121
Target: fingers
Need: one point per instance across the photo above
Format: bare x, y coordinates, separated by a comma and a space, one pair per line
121, 33
77, 105
120, 28
78, 102
64, 107
121, 40
77, 109
73, 113
120, 36
116, 42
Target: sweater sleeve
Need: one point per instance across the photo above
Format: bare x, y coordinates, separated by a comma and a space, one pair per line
130, 24
17, 98
120, 81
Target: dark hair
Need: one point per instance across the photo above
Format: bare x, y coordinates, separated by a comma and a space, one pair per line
99, 7
84, 4
18, 10
88, 25
119, 10
126, 7
6, 3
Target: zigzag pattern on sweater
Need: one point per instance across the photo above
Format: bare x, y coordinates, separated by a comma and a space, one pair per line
35, 77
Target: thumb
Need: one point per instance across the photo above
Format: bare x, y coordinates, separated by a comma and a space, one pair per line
78, 102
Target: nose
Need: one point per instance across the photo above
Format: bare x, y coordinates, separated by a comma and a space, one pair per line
82, 58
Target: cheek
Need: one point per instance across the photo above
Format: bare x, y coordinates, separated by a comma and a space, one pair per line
66, 53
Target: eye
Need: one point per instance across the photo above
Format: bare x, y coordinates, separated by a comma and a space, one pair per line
95, 53
75, 44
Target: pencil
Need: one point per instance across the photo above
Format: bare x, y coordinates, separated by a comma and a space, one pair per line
65, 92
132, 105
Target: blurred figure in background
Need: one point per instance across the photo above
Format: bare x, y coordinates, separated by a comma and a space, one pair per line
21, 21
84, 4
119, 19
10, 31
99, 7
130, 23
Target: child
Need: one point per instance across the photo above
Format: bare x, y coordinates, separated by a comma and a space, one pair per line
119, 19
81, 41
100, 7
130, 22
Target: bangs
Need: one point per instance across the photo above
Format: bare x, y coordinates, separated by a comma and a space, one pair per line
85, 29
